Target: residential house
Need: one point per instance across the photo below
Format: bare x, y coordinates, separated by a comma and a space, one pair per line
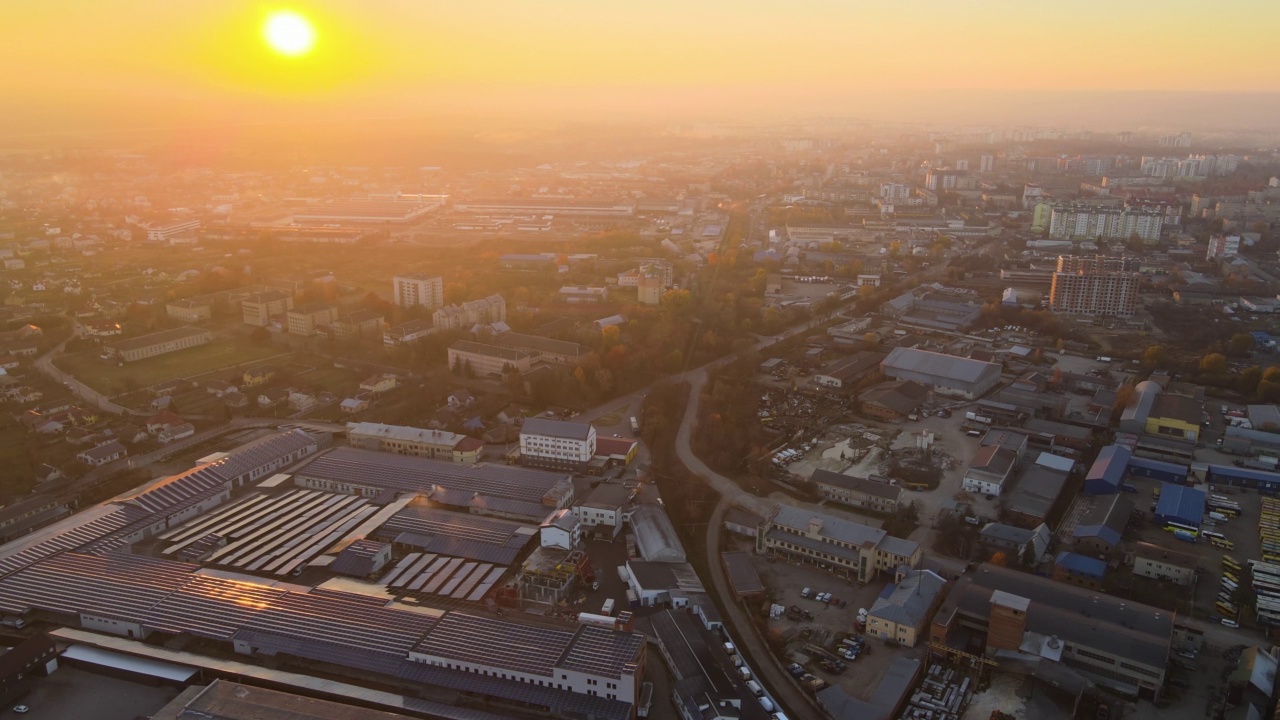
219, 388
102, 454
301, 401
354, 404
379, 383
272, 397
259, 375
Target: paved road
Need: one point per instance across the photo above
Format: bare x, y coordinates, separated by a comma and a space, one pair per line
45, 365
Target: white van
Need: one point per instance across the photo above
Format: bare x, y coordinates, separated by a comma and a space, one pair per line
755, 688
767, 704
745, 672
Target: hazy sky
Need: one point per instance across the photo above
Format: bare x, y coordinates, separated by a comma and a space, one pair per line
79, 63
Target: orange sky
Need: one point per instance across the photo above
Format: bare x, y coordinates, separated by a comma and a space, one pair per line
139, 61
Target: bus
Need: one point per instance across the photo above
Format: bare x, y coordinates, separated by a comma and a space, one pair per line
1223, 543
1225, 609
1213, 535
1191, 530
1232, 562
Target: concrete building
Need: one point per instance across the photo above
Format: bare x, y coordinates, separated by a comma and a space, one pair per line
850, 550
191, 310
464, 316
542, 349
417, 442
259, 308
304, 320
874, 493
575, 294
601, 511
1112, 641
1223, 246
1088, 292
162, 233
1101, 529
557, 444
487, 360
418, 290
357, 326
160, 343
904, 609
407, 332
945, 374
1090, 222
990, 470
1159, 563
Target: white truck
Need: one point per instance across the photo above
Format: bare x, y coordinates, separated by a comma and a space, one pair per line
608, 608
635, 424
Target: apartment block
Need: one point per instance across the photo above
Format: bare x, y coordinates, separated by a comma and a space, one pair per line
306, 319
259, 308
1112, 294
418, 290
462, 316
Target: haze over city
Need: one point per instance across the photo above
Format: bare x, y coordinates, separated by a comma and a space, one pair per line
818, 360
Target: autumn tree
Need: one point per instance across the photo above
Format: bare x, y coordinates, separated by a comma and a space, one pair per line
1155, 356
999, 559
1241, 344
1213, 364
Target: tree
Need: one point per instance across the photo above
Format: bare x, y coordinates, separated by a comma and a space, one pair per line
1241, 344
1125, 396
1250, 377
1029, 556
1155, 356
999, 559
1213, 364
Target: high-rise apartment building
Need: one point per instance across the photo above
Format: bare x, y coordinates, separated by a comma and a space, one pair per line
417, 289
1076, 220
987, 163
1095, 286
895, 192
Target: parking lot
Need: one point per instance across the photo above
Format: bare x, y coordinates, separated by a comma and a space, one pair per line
74, 694
785, 582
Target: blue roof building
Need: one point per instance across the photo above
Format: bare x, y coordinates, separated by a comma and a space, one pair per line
1260, 480
1107, 471
1158, 470
1079, 570
1181, 504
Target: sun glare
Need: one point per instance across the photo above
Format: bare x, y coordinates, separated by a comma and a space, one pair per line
289, 33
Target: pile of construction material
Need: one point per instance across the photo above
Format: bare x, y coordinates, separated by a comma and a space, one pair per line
943, 695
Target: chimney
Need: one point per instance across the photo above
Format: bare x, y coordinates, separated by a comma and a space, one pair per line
815, 526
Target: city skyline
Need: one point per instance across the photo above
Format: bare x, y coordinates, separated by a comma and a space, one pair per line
94, 66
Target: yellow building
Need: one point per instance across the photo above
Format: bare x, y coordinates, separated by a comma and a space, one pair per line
1176, 416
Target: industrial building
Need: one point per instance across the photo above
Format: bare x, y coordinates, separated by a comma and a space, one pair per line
485, 360
1101, 528
1001, 613
259, 309
482, 489
364, 211
1079, 570
849, 549
557, 444
990, 470
877, 494
1160, 563
1260, 480
541, 349
894, 401
159, 343
850, 371
1182, 504
305, 320
1037, 495
1107, 470
945, 374
403, 440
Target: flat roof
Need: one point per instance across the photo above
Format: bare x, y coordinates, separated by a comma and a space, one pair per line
857, 484
742, 574
128, 663
163, 336
227, 700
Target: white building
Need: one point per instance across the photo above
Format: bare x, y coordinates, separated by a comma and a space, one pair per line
162, 233
1221, 246
417, 289
557, 444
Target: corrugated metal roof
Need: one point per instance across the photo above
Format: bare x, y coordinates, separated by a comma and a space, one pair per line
938, 364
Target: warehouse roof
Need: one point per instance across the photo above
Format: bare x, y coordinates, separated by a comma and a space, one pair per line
163, 336
1078, 564
1177, 407
938, 364
1106, 520
1181, 502
878, 488
656, 537
908, 601
1110, 465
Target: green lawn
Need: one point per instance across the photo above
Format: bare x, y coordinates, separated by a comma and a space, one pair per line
113, 380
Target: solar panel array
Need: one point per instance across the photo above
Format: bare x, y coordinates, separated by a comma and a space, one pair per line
263, 452
601, 651
274, 534
368, 468
497, 643
329, 626
198, 483
74, 537
428, 573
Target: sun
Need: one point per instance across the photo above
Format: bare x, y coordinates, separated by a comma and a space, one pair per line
289, 33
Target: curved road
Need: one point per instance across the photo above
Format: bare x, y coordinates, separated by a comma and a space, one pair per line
45, 365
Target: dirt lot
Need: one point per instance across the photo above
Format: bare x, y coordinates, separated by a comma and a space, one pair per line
786, 580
